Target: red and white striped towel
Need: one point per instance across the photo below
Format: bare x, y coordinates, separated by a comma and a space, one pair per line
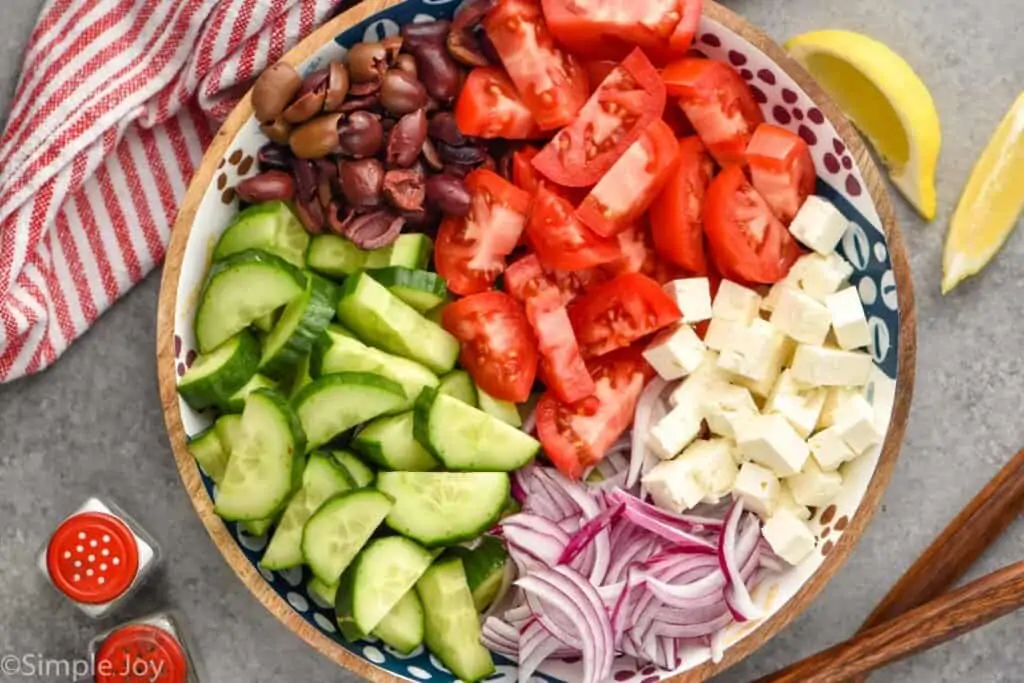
116, 103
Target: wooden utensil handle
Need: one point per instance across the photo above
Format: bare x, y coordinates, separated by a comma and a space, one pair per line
935, 622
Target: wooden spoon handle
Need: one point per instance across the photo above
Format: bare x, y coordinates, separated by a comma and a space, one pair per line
935, 622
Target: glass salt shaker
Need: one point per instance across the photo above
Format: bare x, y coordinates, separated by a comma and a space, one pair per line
153, 649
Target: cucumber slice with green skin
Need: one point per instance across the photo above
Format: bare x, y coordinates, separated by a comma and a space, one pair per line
301, 377
388, 442
485, 569
334, 403
266, 322
411, 250
505, 411
380, 318
271, 227
228, 428
258, 527
215, 376
458, 384
451, 625
236, 403
323, 593
207, 449
322, 478
467, 438
266, 460
420, 289
362, 474
444, 508
339, 529
402, 627
303, 320
337, 258
242, 288
336, 350
434, 314
383, 573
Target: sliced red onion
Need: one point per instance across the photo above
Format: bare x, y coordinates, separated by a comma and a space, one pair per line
500, 637
736, 594
691, 523
642, 418
535, 645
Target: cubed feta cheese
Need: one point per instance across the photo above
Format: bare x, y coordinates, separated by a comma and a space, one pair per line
828, 367
792, 279
786, 502
835, 397
823, 275
855, 422
724, 406
675, 352
676, 430
789, 537
771, 441
713, 465
801, 317
819, 225
848, 320
752, 351
781, 352
693, 297
720, 331
673, 486
813, 487
829, 450
706, 374
758, 488
799, 405
736, 303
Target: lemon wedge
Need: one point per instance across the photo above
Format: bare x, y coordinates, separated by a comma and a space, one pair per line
885, 99
991, 202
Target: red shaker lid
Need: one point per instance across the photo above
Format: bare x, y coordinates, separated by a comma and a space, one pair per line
92, 558
141, 653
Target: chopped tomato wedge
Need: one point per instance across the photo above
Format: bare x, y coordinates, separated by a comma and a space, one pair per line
747, 242
470, 252
561, 240
719, 104
526, 177
632, 183
498, 348
489, 107
551, 81
561, 364
573, 283
677, 214
618, 312
781, 169
525, 277
635, 254
623, 106
577, 436
598, 69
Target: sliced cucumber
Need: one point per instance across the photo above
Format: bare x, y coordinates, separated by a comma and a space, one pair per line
265, 323
458, 384
271, 227
362, 475
337, 531
389, 443
336, 257
258, 527
436, 313
302, 321
236, 403
411, 250
334, 403
451, 625
266, 460
419, 288
505, 411
324, 593
229, 429
322, 478
402, 627
242, 288
380, 318
215, 376
371, 587
466, 438
336, 350
300, 377
207, 449
485, 569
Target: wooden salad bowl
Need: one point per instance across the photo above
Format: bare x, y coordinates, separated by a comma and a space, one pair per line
870, 188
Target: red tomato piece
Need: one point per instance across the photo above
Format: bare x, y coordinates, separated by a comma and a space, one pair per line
677, 213
551, 81
577, 436
574, 283
781, 169
470, 252
618, 312
498, 348
747, 242
526, 177
635, 255
525, 277
561, 364
676, 120
489, 107
561, 240
629, 99
598, 70
719, 104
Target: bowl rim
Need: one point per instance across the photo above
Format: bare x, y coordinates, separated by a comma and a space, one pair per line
279, 607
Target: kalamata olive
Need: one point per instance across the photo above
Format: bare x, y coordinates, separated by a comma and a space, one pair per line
305, 179
316, 138
407, 63
448, 193
401, 93
364, 89
427, 33
406, 139
442, 127
374, 230
275, 157
468, 155
393, 46
361, 135
368, 103
310, 215
464, 46
439, 72
305, 107
487, 48
273, 90
336, 221
317, 80
324, 195
337, 86
367, 62
277, 130
361, 182
430, 155
327, 181
266, 187
405, 188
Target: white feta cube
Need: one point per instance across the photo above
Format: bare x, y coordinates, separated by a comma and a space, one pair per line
848, 319
752, 352
790, 538
693, 297
713, 466
799, 405
771, 441
813, 487
706, 374
855, 422
801, 317
724, 406
736, 303
675, 352
823, 275
827, 367
675, 431
781, 352
758, 488
834, 398
829, 450
720, 331
819, 225
792, 279
673, 486
787, 503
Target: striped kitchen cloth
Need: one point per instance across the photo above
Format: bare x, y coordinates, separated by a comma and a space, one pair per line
116, 103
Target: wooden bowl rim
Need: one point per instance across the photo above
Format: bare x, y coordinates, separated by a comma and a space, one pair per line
264, 592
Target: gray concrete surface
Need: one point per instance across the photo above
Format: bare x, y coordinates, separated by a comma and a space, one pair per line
93, 422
